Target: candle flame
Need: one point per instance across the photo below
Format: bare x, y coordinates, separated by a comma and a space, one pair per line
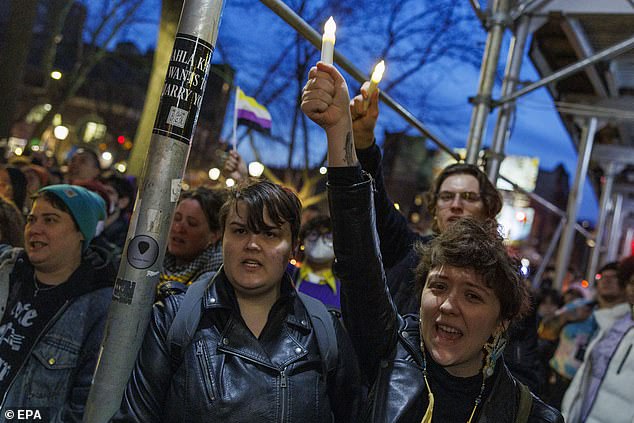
330, 27
378, 72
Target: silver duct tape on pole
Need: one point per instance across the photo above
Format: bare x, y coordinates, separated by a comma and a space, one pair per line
135, 287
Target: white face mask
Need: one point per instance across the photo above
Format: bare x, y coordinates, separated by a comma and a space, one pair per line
319, 251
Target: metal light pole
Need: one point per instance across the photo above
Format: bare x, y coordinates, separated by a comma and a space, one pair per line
160, 184
511, 75
574, 199
490, 58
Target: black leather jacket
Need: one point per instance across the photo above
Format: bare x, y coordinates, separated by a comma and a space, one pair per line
399, 259
388, 345
227, 375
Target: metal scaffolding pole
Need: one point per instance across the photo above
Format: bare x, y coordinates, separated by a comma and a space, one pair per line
604, 209
615, 232
482, 101
511, 75
549, 253
134, 289
547, 204
574, 199
609, 52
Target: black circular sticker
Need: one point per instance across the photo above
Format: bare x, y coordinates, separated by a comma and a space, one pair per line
142, 252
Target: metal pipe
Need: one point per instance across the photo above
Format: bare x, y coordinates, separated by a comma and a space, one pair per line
615, 233
547, 204
604, 210
548, 254
574, 200
295, 21
488, 70
527, 7
511, 75
609, 52
477, 9
135, 287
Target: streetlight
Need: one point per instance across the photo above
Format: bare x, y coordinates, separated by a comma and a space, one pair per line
214, 173
60, 132
56, 75
256, 169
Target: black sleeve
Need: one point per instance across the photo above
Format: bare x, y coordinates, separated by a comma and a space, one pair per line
348, 393
395, 235
368, 312
151, 378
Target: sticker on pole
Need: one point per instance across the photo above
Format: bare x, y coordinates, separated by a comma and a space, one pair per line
123, 291
184, 87
142, 252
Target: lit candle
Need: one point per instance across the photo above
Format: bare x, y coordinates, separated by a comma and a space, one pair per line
377, 74
328, 41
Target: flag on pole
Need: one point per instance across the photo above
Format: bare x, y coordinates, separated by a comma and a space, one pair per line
252, 114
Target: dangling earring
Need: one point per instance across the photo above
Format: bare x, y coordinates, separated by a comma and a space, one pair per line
494, 350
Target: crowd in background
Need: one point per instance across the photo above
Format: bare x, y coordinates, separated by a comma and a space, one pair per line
62, 235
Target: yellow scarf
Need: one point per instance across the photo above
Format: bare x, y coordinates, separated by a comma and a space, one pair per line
322, 277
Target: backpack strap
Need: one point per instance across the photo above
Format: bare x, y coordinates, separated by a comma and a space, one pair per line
187, 317
321, 321
526, 403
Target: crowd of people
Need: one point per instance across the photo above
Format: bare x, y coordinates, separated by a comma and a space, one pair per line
266, 312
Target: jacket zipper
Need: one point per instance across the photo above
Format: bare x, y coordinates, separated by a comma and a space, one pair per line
202, 360
283, 386
39, 336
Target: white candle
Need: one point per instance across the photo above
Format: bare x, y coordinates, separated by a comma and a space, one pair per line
328, 41
377, 74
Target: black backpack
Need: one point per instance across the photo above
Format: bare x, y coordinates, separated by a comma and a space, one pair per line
187, 317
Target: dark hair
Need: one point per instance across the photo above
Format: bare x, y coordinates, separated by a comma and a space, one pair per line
613, 265
122, 185
56, 202
93, 155
626, 270
282, 205
321, 222
479, 246
551, 293
11, 224
491, 198
210, 200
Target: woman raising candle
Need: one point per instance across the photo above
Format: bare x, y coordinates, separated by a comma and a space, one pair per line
447, 364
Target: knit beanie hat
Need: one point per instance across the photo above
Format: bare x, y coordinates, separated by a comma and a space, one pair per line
86, 207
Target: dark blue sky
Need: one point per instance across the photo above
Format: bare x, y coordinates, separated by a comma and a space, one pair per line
537, 130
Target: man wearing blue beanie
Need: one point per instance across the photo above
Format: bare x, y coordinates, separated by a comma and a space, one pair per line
53, 306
